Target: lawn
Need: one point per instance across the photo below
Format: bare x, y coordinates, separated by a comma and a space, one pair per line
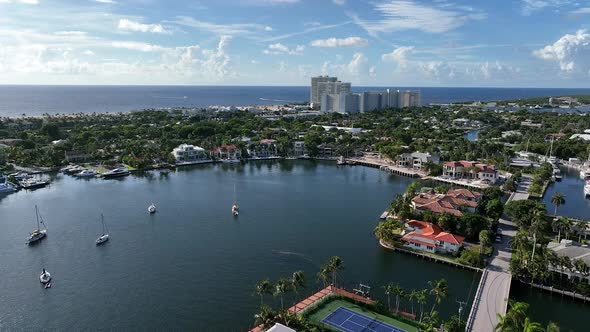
331, 306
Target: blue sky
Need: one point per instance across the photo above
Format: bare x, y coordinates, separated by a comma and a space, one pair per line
519, 43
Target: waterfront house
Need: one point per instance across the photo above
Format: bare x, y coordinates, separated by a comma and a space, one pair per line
266, 148
326, 151
454, 202
470, 170
227, 152
299, 148
186, 154
426, 236
575, 252
416, 160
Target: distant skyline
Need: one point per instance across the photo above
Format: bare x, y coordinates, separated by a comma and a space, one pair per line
469, 43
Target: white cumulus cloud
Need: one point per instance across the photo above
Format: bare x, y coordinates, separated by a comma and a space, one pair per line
399, 54
340, 42
572, 52
278, 48
137, 46
129, 25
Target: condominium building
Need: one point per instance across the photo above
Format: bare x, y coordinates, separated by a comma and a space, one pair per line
316, 85
340, 103
409, 99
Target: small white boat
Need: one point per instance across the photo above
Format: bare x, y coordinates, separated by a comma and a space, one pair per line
235, 210
6, 188
105, 234
230, 161
152, 208
587, 188
341, 161
45, 277
87, 173
585, 174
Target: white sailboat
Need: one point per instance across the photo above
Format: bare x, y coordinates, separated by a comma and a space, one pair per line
38, 233
45, 278
235, 209
105, 234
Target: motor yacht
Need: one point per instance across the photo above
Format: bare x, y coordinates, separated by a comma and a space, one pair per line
45, 277
87, 173
117, 172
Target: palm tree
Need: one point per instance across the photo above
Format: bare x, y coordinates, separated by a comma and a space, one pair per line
484, 240
421, 299
298, 280
536, 226
398, 291
440, 290
388, 291
558, 224
567, 226
557, 199
324, 275
552, 327
266, 317
335, 264
281, 288
412, 297
514, 319
530, 326
263, 287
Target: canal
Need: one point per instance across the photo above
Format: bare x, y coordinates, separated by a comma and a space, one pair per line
192, 265
544, 307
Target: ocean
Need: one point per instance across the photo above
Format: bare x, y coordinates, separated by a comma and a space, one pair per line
36, 100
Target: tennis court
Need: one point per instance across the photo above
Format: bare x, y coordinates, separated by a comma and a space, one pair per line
347, 320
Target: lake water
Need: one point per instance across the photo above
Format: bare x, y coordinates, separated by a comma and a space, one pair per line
16, 100
192, 265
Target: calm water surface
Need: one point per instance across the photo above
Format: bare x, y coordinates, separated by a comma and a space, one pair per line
192, 265
576, 205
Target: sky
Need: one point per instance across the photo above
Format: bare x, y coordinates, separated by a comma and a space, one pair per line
467, 43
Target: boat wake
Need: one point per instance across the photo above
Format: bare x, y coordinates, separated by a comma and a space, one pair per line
292, 254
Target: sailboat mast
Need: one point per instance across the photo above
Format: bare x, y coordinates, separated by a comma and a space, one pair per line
37, 215
104, 226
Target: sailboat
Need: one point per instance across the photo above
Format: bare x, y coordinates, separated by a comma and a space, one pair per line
45, 278
235, 209
38, 233
105, 234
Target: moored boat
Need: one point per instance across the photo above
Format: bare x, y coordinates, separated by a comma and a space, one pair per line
86, 173
117, 172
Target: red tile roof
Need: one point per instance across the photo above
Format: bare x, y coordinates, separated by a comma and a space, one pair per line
441, 203
461, 192
428, 231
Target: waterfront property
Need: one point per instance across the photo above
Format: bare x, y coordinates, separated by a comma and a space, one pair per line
186, 154
454, 202
426, 236
574, 252
416, 160
470, 170
227, 152
265, 149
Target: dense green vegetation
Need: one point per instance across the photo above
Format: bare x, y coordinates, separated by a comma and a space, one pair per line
139, 138
532, 260
516, 320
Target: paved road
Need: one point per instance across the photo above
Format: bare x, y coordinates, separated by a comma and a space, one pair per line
496, 285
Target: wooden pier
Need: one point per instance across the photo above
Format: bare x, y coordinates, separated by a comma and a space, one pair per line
386, 165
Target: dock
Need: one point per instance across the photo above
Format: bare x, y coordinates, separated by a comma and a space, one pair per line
385, 165
435, 258
461, 183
